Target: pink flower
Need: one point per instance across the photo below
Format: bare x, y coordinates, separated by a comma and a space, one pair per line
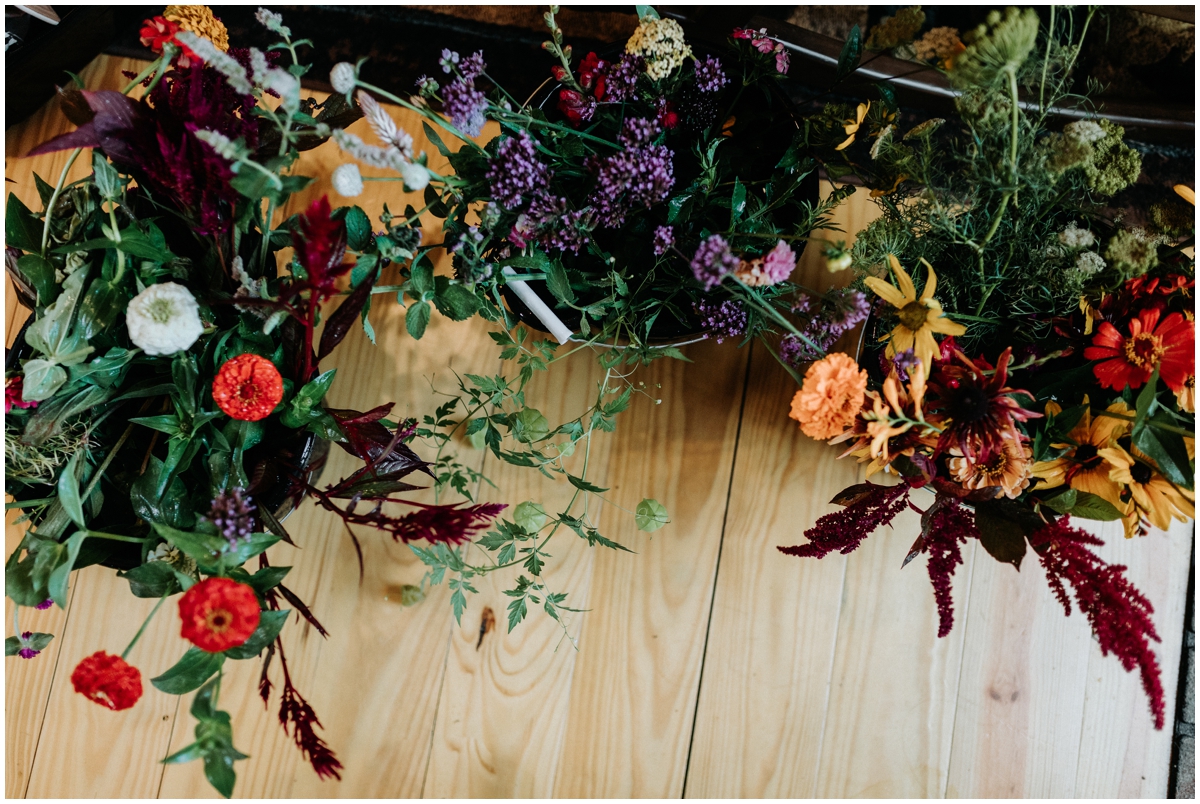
13, 390
779, 263
781, 60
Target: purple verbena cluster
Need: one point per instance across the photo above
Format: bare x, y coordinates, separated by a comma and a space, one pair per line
515, 173
845, 309
710, 77
840, 311
795, 350
621, 78
472, 66
552, 222
903, 363
664, 239
712, 261
465, 105
233, 514
638, 131
726, 319
642, 175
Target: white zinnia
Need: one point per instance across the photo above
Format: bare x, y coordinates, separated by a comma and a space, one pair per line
342, 77
163, 319
416, 177
347, 180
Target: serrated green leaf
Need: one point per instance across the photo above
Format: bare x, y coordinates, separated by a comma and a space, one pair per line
416, 319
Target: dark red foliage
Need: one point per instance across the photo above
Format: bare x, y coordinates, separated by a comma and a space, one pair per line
154, 139
845, 530
947, 525
382, 449
320, 243
445, 523
295, 710
1119, 614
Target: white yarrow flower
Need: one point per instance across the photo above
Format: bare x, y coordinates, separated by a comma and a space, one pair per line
1074, 237
163, 319
342, 77
1084, 131
347, 180
416, 177
1089, 263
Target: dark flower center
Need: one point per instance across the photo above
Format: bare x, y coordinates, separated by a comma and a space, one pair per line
218, 620
913, 315
1087, 456
1143, 350
1141, 473
969, 404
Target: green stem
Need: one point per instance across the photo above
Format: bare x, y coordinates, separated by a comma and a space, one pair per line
795, 374
146, 622
1046, 64
62, 178
112, 217
112, 453
16, 622
266, 235
151, 67
113, 537
775, 314
1169, 428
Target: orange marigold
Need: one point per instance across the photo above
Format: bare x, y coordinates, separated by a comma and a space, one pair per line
831, 396
248, 387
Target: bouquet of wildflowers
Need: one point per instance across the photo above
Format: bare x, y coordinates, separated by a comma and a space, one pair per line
644, 198
1063, 382
167, 407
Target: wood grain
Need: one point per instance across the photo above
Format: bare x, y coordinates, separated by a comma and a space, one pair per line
708, 665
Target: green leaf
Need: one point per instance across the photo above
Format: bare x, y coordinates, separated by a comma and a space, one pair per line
21, 228
36, 641
517, 610
1001, 535
306, 404
1145, 401
557, 282
57, 584
100, 307
416, 319
40, 274
42, 379
268, 578
456, 302
529, 516
68, 490
1166, 449
154, 579
358, 229
737, 203
436, 140
646, 11
108, 181
1089, 506
269, 626
851, 52
583, 485
190, 672
529, 425
650, 515
1064, 502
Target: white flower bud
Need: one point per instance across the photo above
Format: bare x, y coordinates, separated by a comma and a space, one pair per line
342, 77
164, 319
347, 180
416, 177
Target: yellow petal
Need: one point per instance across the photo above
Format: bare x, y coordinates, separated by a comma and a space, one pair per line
903, 280
861, 111
930, 281
886, 291
1053, 408
1186, 193
849, 140
946, 327
926, 347
902, 339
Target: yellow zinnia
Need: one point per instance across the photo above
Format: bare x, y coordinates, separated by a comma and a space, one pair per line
920, 316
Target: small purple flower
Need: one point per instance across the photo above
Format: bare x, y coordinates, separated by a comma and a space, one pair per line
664, 239
642, 176
27, 652
904, 362
710, 77
794, 350
846, 309
516, 172
557, 225
472, 66
712, 261
725, 319
233, 514
779, 263
638, 131
621, 78
464, 105
45, 604
803, 304
448, 60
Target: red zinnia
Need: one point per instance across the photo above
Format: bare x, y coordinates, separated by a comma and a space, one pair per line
1129, 360
218, 614
158, 31
108, 680
248, 387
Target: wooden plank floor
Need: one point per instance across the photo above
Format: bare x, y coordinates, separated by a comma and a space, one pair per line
708, 665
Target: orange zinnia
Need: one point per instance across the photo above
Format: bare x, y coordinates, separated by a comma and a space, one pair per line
248, 387
1129, 360
831, 397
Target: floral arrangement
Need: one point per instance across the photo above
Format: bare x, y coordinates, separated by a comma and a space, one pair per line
646, 198
167, 407
1063, 384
